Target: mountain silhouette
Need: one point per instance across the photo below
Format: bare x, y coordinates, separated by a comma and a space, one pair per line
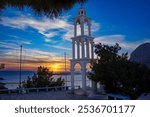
141, 54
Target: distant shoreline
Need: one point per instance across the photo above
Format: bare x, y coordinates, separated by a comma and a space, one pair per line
54, 73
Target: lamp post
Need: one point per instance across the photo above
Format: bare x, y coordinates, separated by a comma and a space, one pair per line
65, 68
20, 66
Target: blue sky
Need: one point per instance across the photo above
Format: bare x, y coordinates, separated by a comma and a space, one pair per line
45, 40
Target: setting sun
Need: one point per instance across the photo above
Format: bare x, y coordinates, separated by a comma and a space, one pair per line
55, 67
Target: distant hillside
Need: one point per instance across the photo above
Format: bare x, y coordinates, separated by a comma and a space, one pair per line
141, 54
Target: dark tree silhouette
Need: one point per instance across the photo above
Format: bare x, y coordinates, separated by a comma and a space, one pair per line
43, 78
2, 85
118, 74
51, 8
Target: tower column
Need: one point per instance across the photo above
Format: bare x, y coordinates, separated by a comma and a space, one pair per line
84, 77
75, 30
89, 29
83, 50
82, 28
87, 49
78, 49
73, 49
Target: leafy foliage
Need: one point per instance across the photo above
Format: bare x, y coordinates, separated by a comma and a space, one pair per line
118, 74
43, 78
51, 8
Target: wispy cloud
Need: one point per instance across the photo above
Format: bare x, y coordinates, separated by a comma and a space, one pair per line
47, 40
13, 44
113, 39
19, 40
60, 47
109, 39
57, 47
12, 49
46, 26
61, 26
31, 58
8, 45
49, 34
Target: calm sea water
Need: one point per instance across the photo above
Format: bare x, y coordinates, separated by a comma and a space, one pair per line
12, 78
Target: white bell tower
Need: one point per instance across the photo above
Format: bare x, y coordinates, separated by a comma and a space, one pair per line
82, 46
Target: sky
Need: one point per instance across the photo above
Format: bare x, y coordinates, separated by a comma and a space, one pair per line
45, 40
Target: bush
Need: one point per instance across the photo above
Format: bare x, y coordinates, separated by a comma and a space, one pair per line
43, 78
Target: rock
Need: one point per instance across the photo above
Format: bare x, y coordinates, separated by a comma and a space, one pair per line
141, 54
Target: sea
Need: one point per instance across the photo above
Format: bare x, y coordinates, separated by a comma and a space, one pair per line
11, 78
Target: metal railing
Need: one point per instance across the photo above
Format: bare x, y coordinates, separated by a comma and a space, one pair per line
41, 89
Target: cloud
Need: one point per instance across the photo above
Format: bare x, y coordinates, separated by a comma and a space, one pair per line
29, 54
118, 38
38, 53
47, 40
49, 34
61, 26
12, 50
46, 26
19, 40
109, 39
63, 48
58, 47
31, 59
13, 44
8, 45
95, 26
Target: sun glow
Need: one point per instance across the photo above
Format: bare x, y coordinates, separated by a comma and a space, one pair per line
55, 67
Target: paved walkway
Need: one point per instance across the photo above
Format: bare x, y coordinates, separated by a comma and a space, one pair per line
58, 95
